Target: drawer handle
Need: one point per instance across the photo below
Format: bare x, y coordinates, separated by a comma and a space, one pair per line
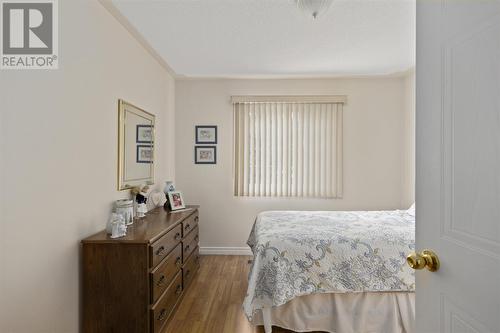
187, 248
160, 281
196, 238
162, 315
177, 236
178, 262
160, 250
187, 227
196, 219
178, 290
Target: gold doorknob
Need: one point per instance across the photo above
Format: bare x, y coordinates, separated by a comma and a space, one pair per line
427, 259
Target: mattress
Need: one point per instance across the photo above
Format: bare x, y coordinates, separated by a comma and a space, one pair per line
300, 253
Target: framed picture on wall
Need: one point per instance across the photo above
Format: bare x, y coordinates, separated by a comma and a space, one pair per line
144, 154
144, 134
206, 134
205, 155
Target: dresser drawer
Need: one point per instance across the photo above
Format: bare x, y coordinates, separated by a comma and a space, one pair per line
164, 245
165, 272
189, 244
190, 267
189, 224
163, 308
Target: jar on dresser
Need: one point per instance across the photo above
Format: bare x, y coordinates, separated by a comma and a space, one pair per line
134, 284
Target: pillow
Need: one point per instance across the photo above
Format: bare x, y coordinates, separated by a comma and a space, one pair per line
411, 210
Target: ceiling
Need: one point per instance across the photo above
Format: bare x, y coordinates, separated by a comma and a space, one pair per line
272, 38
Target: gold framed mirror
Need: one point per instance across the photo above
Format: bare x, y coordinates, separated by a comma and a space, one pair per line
136, 137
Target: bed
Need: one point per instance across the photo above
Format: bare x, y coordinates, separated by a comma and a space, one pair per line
332, 271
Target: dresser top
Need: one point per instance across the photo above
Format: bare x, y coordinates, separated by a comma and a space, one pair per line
147, 229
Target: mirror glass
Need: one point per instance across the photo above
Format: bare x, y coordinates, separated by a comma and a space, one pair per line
136, 146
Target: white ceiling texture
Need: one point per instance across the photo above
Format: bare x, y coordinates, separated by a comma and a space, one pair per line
273, 38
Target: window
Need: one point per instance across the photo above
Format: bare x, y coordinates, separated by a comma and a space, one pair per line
288, 146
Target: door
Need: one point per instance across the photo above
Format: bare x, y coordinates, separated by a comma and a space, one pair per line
458, 164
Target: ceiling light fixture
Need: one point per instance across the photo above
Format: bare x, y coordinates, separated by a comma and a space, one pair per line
313, 8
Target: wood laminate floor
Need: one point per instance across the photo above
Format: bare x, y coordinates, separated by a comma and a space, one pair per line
213, 302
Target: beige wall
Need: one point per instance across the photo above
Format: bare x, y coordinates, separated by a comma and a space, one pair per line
58, 161
408, 168
374, 150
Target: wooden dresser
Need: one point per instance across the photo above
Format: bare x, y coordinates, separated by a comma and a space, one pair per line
135, 283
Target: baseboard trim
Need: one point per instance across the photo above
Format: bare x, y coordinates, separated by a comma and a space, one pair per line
227, 251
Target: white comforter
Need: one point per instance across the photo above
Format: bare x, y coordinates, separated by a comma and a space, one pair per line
305, 252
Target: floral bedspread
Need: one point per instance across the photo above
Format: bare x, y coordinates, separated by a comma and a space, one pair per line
304, 252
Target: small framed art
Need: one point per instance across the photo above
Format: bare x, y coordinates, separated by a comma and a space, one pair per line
176, 200
206, 134
144, 154
144, 134
205, 154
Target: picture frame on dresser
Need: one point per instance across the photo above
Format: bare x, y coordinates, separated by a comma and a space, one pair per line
176, 200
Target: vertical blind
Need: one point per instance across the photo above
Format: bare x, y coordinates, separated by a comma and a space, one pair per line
288, 147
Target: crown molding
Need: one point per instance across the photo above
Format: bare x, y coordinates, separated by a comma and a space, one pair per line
399, 74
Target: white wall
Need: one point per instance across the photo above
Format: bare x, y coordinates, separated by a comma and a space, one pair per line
374, 150
59, 161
